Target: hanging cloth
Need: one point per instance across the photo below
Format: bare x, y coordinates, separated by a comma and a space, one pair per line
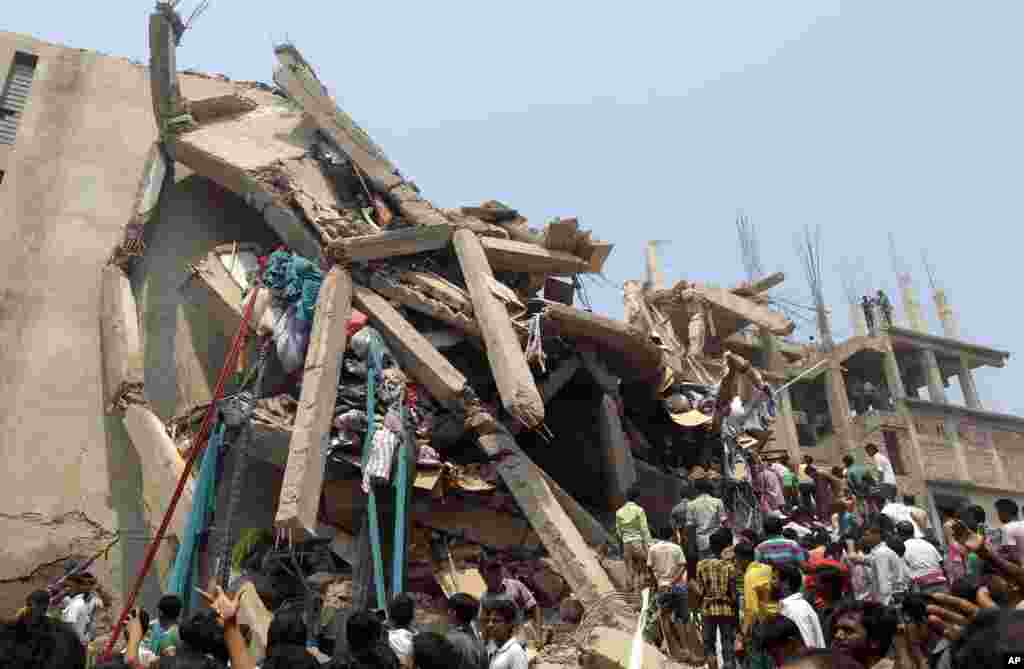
186, 562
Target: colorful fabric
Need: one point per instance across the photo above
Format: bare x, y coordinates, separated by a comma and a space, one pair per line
716, 583
780, 550
377, 470
160, 639
294, 279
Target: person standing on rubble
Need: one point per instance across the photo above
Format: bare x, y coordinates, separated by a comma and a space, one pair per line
668, 612
501, 586
885, 470
867, 304
885, 306
707, 514
635, 537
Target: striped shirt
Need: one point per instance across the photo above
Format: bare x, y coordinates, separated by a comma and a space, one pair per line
779, 550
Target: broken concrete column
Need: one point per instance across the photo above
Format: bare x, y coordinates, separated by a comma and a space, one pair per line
743, 309
162, 467
593, 532
297, 78
304, 473
417, 356
252, 612
615, 454
249, 155
519, 394
627, 352
437, 304
392, 244
163, 71
512, 256
213, 290
610, 648
123, 369
565, 545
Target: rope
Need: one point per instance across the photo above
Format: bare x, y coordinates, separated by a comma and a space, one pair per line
194, 450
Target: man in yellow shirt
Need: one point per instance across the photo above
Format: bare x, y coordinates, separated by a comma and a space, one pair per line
756, 576
631, 528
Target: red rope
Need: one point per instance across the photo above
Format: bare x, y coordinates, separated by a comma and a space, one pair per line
198, 441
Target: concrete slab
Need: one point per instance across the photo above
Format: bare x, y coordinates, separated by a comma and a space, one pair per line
304, 473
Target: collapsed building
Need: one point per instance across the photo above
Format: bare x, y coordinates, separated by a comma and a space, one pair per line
391, 387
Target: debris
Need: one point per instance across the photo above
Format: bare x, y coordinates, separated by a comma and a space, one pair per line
303, 476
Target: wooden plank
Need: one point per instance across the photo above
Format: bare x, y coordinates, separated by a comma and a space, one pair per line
506, 255
123, 366
417, 356
304, 474
407, 241
573, 558
743, 309
519, 394
298, 80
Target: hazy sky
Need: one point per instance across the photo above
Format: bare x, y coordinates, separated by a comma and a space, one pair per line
656, 120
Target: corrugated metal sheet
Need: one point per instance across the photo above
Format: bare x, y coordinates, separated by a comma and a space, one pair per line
15, 97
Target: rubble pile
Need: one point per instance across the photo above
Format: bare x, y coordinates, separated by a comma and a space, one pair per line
421, 375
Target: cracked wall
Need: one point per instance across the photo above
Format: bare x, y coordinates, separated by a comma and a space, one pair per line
70, 185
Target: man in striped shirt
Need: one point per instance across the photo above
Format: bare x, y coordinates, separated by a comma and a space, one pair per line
776, 549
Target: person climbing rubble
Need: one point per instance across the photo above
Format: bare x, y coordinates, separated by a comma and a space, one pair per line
501, 586
634, 537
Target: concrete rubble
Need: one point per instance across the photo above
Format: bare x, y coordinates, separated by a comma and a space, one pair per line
521, 420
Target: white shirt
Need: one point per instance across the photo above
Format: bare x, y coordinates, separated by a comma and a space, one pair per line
803, 615
79, 614
921, 558
509, 656
800, 530
890, 573
400, 641
900, 512
885, 467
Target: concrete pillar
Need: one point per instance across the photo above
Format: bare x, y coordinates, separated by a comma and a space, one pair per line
893, 379
839, 410
785, 427
946, 316
936, 388
911, 306
860, 324
952, 428
615, 452
967, 385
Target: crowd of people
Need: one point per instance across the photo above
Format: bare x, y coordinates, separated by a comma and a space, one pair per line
489, 633
843, 572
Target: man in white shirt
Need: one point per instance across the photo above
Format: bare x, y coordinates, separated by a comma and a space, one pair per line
1013, 527
924, 562
401, 613
900, 513
889, 570
888, 482
86, 597
498, 622
786, 582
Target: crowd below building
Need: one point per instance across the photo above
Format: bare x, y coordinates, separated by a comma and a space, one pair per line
844, 572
